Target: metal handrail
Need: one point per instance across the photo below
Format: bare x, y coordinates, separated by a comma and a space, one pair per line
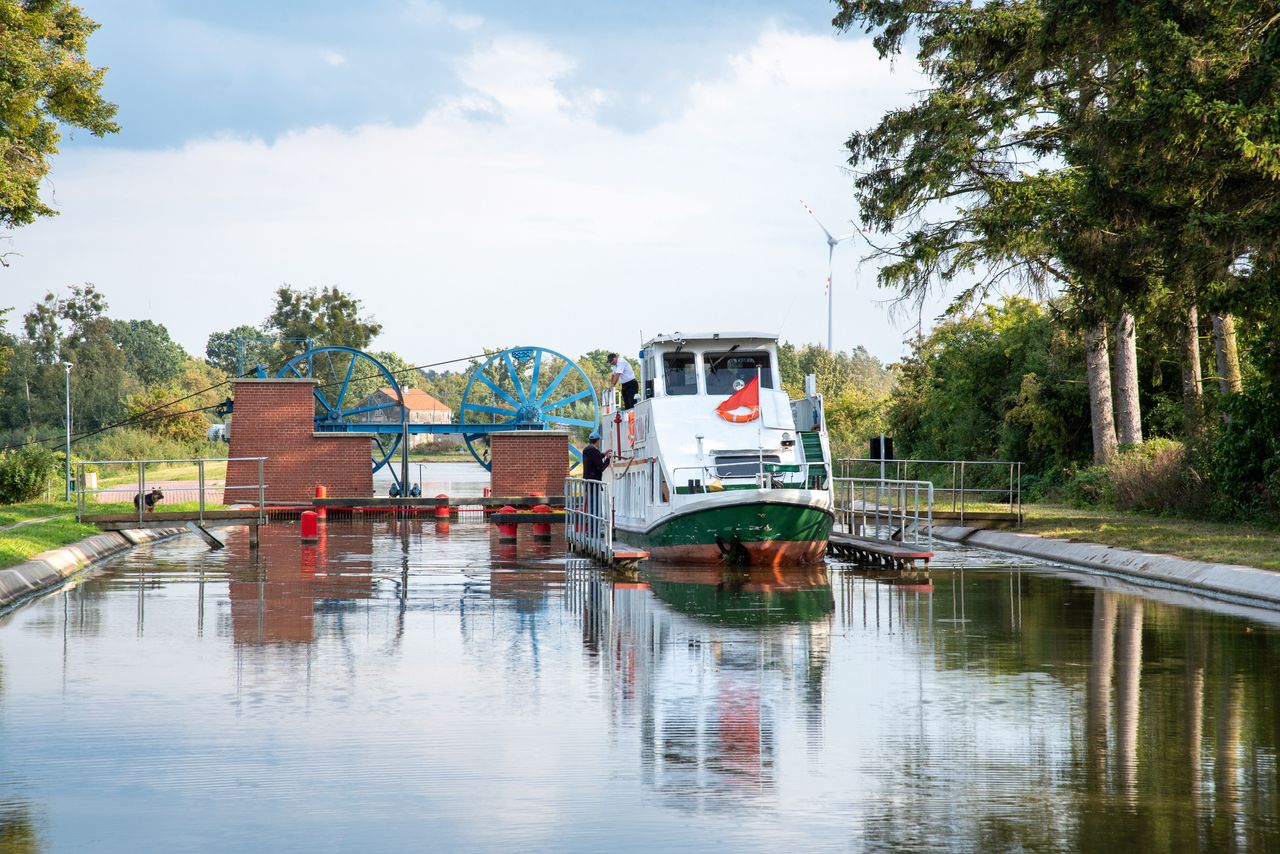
901, 469
588, 517
896, 510
201, 484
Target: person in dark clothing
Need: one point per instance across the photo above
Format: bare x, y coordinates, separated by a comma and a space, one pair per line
593, 465
593, 461
621, 372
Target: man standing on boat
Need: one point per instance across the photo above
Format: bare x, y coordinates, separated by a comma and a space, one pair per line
593, 465
593, 461
622, 372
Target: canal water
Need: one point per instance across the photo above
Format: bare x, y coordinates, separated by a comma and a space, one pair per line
407, 687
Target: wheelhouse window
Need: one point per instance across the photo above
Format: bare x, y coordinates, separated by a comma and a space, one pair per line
742, 465
726, 370
679, 373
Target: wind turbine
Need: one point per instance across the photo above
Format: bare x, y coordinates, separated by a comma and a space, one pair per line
831, 251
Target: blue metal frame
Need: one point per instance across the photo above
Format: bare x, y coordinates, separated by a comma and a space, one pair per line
532, 410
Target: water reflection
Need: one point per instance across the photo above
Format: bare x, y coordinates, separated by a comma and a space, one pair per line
503, 696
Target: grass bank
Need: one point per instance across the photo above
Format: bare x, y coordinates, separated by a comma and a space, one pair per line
21, 543
1216, 542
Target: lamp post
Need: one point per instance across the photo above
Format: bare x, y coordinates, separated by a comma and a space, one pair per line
67, 483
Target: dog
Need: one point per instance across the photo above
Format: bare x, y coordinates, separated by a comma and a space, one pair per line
151, 499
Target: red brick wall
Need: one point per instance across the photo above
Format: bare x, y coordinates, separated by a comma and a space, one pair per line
525, 463
275, 419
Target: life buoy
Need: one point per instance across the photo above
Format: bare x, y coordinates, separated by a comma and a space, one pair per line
737, 416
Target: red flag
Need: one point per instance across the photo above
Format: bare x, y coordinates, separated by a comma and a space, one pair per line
743, 405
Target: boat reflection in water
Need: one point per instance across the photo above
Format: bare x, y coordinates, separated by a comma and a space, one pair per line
697, 656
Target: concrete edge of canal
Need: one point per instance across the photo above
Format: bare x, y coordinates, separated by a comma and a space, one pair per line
1219, 580
50, 569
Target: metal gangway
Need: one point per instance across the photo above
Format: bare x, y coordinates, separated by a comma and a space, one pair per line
588, 523
881, 520
113, 494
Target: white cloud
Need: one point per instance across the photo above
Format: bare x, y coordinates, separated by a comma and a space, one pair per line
334, 58
508, 215
431, 14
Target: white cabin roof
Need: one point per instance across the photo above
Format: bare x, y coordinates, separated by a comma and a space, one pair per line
696, 338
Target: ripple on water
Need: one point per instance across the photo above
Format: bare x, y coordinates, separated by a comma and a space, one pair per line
400, 685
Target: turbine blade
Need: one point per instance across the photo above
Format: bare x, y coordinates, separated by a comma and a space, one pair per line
818, 221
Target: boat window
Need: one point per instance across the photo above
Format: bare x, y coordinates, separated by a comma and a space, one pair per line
679, 374
726, 369
741, 466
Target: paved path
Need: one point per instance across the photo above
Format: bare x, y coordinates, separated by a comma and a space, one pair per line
34, 521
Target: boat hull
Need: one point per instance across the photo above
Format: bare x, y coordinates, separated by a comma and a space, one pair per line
750, 533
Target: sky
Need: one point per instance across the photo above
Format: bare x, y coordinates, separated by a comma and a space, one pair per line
570, 174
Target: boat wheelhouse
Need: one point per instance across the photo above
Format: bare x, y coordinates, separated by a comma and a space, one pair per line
714, 462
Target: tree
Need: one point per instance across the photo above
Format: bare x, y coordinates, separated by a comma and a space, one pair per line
321, 317
73, 329
149, 353
1119, 149
6, 346
47, 82
1125, 389
240, 350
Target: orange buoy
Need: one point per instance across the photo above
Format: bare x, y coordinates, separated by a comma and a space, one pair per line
442, 510
321, 492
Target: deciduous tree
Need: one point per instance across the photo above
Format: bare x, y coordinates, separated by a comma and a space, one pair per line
46, 83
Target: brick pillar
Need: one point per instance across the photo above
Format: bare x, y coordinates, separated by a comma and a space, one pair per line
526, 462
275, 418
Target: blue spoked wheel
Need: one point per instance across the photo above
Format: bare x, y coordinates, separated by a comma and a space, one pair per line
355, 390
531, 387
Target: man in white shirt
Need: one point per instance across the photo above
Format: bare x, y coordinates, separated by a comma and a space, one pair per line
622, 373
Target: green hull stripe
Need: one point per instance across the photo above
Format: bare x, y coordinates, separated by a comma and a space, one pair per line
748, 522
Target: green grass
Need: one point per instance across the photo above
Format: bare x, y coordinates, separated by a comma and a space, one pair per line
163, 506
1216, 542
459, 456
13, 513
20, 544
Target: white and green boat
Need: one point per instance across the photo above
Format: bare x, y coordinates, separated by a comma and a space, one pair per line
715, 463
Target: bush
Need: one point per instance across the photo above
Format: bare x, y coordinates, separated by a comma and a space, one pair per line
1157, 477
1089, 487
1246, 454
24, 472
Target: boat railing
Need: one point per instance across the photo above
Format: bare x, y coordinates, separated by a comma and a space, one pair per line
895, 510
697, 480
588, 517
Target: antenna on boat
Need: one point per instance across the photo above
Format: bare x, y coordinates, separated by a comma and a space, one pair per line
831, 251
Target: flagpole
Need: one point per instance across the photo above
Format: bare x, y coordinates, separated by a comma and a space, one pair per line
759, 430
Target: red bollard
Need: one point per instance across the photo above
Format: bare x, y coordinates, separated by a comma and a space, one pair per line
310, 532
442, 510
542, 530
507, 530
321, 492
